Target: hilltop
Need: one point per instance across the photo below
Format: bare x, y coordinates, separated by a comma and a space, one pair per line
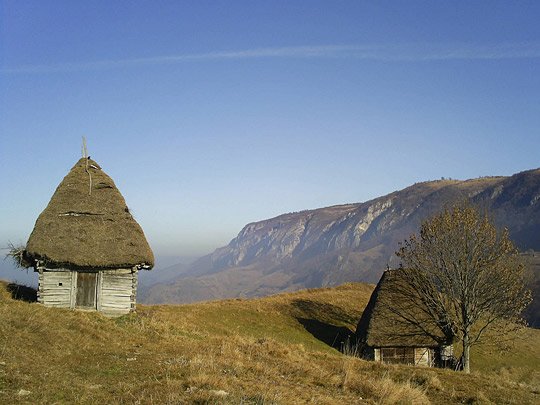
344, 243
272, 350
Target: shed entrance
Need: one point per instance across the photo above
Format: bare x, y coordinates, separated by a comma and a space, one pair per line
86, 290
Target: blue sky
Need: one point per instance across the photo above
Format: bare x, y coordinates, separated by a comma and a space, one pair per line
212, 114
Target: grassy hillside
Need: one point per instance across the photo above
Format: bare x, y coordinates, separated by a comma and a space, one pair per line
271, 350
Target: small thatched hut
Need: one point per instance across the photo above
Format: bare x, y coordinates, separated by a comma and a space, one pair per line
86, 245
382, 334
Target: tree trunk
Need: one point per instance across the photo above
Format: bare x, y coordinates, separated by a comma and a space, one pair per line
466, 354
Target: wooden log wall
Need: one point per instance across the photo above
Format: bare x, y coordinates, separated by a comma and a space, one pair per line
115, 294
117, 291
423, 356
55, 288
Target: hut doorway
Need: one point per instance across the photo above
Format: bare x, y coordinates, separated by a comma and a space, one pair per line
86, 296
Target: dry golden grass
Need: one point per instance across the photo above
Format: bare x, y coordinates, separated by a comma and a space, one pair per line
260, 351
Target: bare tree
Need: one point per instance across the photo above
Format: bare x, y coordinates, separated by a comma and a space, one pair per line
459, 278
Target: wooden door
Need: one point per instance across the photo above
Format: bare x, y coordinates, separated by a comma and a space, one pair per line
86, 290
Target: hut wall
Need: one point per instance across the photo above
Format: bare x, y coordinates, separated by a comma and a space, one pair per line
117, 291
55, 288
423, 356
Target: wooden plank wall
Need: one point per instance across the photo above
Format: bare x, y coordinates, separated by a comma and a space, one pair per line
117, 291
55, 288
423, 356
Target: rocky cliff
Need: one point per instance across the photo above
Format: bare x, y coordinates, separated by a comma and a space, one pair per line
353, 242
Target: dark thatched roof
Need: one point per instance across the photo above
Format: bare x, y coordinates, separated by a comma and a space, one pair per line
381, 324
88, 225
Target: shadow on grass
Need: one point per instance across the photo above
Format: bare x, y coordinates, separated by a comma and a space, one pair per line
334, 336
323, 312
319, 319
22, 292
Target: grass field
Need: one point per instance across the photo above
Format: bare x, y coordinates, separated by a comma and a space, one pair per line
277, 349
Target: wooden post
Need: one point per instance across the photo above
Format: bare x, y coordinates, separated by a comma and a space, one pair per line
99, 290
84, 151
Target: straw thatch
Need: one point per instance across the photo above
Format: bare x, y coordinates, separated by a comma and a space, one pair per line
383, 321
88, 225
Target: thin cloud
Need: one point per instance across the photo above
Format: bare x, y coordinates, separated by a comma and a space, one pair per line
389, 53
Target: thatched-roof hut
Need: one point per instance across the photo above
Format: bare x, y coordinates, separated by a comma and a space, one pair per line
86, 245
384, 335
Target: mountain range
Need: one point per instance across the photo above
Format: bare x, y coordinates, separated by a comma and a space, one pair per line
351, 242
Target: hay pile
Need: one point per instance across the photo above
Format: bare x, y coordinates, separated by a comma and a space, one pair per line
88, 225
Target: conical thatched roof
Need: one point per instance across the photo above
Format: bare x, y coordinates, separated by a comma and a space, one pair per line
381, 325
88, 225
